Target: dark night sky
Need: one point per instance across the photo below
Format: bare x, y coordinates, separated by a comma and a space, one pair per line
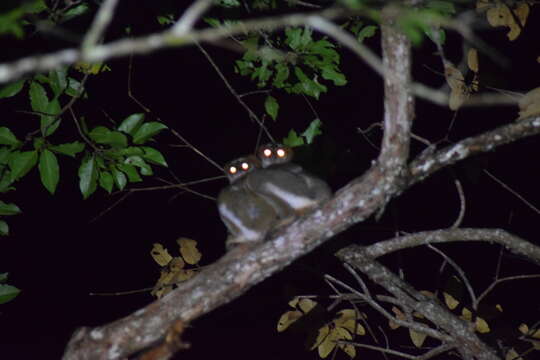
56, 255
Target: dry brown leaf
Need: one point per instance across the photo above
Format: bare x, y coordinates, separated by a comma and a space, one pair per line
529, 104
189, 251
160, 254
459, 91
450, 301
499, 14
472, 59
417, 338
287, 319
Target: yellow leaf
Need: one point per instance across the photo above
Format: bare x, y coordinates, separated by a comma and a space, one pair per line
160, 254
529, 104
323, 334
306, 305
176, 264
184, 275
188, 249
417, 338
348, 319
459, 91
482, 326
501, 15
349, 350
161, 288
499, 307
472, 59
466, 314
287, 319
294, 302
91, 69
329, 343
523, 328
450, 301
512, 355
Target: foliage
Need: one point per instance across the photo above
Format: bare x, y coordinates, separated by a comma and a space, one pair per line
7, 292
173, 269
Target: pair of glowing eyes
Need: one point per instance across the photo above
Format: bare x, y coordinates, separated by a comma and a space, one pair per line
244, 166
279, 152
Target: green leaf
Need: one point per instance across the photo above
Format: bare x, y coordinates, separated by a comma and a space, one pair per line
38, 97
167, 19
293, 140
106, 181
4, 155
7, 137
11, 89
8, 293
132, 123
312, 131
74, 88
49, 171
119, 178
58, 80
9, 209
213, 22
75, 12
49, 123
139, 162
154, 156
366, 32
130, 171
21, 163
4, 229
69, 149
146, 131
442, 7
282, 74
88, 176
330, 73
271, 106
298, 38
3, 277
228, 3
103, 135
306, 85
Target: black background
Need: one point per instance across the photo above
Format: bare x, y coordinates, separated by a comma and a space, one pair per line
60, 249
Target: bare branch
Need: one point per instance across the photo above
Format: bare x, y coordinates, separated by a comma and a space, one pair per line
101, 21
511, 242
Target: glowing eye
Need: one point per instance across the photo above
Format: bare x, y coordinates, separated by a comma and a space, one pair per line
267, 152
281, 153
233, 170
245, 166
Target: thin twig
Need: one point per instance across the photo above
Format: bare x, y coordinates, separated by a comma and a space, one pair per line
459, 219
252, 115
498, 281
175, 133
513, 192
459, 271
